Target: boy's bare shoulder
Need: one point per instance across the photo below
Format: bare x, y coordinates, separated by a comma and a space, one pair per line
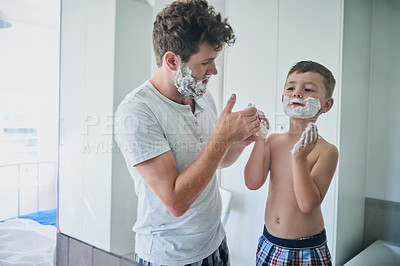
274, 136
277, 142
328, 148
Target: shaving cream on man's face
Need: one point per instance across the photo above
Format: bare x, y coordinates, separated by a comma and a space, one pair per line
308, 109
188, 85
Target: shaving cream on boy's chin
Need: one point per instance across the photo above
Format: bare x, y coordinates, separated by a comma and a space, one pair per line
310, 107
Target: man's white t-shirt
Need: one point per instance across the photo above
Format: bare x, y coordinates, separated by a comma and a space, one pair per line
148, 125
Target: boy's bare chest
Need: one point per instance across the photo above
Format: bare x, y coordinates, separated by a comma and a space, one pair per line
281, 160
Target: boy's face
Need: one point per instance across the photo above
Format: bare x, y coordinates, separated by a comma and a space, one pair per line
305, 85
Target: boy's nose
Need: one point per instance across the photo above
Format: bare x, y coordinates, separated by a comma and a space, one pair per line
297, 93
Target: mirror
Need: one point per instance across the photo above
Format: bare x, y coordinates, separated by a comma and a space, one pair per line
106, 52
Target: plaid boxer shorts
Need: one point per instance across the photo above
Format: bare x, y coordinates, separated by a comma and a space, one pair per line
220, 257
284, 252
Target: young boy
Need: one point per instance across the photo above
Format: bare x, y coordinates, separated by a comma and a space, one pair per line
301, 165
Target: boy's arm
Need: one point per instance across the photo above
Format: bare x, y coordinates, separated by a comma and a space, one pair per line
234, 152
310, 187
257, 167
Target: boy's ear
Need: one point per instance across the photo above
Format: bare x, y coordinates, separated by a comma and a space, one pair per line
327, 106
172, 60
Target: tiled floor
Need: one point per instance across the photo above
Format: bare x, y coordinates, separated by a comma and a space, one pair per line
72, 252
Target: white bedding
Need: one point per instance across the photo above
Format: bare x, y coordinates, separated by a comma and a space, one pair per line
26, 242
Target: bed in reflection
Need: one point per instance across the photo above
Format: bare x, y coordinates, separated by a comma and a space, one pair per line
27, 228
29, 239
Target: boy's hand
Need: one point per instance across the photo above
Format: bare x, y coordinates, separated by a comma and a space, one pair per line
264, 124
307, 141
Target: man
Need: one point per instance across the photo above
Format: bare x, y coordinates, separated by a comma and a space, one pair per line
173, 142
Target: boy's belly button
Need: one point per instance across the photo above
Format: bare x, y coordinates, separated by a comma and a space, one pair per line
278, 220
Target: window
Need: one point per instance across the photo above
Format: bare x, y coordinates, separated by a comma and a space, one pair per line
29, 91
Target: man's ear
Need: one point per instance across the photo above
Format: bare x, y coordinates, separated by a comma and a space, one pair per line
172, 60
327, 106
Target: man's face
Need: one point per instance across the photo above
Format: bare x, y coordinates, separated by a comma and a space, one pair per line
192, 77
203, 62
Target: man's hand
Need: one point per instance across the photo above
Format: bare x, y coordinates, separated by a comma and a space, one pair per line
237, 126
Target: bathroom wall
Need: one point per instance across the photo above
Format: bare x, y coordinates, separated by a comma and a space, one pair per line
382, 205
357, 21
87, 73
383, 171
102, 60
130, 49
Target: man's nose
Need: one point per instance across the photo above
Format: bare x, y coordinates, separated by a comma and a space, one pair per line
213, 69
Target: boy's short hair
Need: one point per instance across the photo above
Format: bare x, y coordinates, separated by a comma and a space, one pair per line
310, 66
183, 25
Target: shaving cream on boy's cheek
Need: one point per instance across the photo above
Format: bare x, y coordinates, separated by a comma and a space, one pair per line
188, 85
310, 107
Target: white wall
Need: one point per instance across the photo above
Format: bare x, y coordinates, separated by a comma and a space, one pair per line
87, 78
133, 50
370, 147
383, 172
100, 64
353, 129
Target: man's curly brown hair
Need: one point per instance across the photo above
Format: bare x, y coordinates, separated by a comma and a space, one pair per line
183, 25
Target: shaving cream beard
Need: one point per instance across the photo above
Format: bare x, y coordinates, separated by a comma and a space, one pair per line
188, 85
310, 107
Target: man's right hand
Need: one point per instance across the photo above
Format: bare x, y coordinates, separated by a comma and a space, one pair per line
233, 127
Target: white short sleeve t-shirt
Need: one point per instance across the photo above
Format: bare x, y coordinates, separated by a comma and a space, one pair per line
147, 125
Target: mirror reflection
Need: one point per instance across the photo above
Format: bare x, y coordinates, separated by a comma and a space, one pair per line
102, 63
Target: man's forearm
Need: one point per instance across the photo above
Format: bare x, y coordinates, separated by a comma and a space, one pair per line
232, 154
194, 179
